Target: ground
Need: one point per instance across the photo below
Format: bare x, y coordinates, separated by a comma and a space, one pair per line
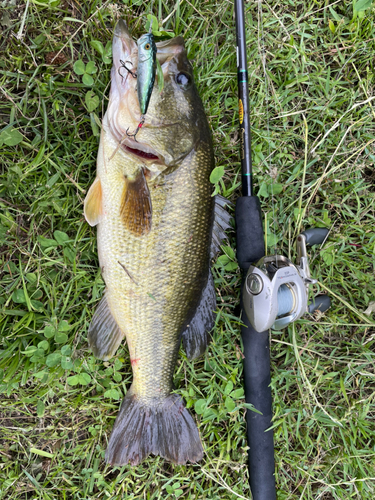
311, 71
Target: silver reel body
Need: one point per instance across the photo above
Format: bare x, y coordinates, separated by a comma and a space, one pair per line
276, 291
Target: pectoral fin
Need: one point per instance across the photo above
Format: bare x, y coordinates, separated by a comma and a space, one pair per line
93, 203
136, 209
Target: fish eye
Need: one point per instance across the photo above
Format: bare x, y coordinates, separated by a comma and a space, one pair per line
147, 46
183, 79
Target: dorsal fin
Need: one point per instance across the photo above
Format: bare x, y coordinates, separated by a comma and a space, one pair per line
221, 223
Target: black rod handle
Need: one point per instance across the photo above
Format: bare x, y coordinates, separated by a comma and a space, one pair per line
257, 378
249, 231
257, 370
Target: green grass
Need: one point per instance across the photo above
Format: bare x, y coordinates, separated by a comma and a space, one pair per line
313, 131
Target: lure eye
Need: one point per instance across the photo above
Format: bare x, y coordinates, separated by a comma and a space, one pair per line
183, 79
147, 46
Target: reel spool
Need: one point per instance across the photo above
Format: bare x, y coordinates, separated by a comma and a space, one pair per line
276, 291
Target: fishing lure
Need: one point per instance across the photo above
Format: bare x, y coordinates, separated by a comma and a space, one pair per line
145, 74
146, 70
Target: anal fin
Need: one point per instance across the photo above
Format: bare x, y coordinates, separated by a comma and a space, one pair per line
136, 208
196, 336
104, 334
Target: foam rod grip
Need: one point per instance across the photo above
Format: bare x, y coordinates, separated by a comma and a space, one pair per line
249, 231
257, 378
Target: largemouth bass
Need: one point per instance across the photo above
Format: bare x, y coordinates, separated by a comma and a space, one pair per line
152, 204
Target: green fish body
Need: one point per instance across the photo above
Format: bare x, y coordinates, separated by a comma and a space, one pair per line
152, 204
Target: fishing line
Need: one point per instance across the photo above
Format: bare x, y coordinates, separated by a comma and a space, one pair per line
285, 300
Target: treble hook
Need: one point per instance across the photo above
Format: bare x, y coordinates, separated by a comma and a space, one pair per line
140, 124
123, 65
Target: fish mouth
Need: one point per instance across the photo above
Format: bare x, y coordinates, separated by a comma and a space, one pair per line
133, 147
141, 151
141, 154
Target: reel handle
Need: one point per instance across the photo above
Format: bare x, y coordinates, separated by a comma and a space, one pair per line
315, 235
320, 303
310, 237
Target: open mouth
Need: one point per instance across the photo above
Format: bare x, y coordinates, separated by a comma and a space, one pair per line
131, 146
141, 154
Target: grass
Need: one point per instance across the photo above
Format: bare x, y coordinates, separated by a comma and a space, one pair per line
313, 138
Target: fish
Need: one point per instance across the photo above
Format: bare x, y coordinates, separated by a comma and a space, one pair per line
158, 228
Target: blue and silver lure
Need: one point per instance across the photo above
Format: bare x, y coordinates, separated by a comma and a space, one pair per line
145, 74
146, 70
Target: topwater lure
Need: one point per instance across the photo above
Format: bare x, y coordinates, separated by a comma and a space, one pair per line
145, 74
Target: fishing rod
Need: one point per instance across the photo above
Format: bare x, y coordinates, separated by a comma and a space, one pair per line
250, 248
274, 293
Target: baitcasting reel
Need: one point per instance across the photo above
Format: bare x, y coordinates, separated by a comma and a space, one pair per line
276, 291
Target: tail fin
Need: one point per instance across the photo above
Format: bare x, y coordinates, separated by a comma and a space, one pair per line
166, 429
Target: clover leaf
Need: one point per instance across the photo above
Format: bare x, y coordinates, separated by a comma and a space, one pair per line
86, 70
79, 67
10, 137
91, 101
105, 52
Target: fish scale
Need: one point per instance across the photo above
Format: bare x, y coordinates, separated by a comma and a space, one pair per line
161, 271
